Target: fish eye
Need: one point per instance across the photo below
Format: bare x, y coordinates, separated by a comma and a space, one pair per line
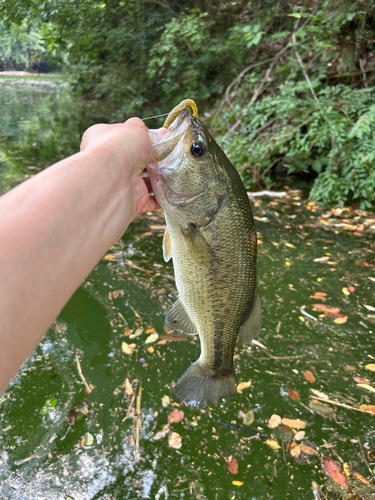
198, 149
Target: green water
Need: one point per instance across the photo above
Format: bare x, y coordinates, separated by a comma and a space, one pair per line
132, 290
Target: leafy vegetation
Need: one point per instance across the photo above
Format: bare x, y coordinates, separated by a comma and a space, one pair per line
290, 87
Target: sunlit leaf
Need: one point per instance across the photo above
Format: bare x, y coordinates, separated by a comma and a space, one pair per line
162, 433
248, 418
341, 320
165, 401
152, 338
127, 348
274, 445
359, 477
243, 385
319, 394
294, 449
307, 449
294, 423
174, 440
299, 435
128, 388
336, 473
371, 367
237, 483
367, 408
293, 394
367, 387
319, 295
88, 439
274, 421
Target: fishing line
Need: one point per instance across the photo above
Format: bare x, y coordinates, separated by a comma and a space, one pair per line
156, 116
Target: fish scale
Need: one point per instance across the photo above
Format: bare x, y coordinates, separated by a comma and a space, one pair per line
213, 246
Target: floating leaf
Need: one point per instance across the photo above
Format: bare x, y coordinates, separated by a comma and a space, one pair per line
322, 409
274, 421
274, 445
367, 387
232, 464
128, 388
88, 439
319, 295
161, 433
359, 477
370, 367
319, 394
237, 483
345, 291
299, 435
294, 423
165, 401
369, 308
294, 449
243, 385
326, 309
128, 332
248, 418
293, 394
321, 259
150, 349
309, 376
138, 332
150, 330
289, 245
341, 320
361, 380
176, 416
336, 473
127, 348
307, 449
351, 289
174, 440
152, 338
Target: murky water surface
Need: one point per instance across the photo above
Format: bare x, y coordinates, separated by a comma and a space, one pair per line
59, 441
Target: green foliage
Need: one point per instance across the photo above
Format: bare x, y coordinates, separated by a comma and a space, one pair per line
20, 45
291, 86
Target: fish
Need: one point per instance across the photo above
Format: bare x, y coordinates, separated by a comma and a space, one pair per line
211, 237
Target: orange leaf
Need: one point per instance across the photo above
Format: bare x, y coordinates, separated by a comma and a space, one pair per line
176, 416
368, 408
335, 472
341, 320
319, 295
326, 309
307, 449
161, 433
309, 376
293, 394
243, 385
294, 423
232, 464
360, 478
294, 449
361, 380
274, 421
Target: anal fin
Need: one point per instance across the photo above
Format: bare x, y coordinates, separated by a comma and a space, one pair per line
178, 319
252, 325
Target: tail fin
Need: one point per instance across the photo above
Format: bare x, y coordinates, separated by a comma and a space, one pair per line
200, 385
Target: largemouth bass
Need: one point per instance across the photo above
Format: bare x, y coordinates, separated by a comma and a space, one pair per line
211, 237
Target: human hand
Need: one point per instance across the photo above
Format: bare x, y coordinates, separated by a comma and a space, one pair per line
128, 147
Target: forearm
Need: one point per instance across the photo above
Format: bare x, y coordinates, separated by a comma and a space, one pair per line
54, 228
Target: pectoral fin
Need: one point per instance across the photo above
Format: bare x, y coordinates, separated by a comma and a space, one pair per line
178, 319
199, 249
251, 326
167, 247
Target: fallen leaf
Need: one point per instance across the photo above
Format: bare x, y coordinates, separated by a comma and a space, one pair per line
128, 388
161, 433
307, 449
116, 294
150, 330
321, 259
319, 394
109, 256
248, 418
359, 477
299, 435
294, 449
289, 245
88, 439
368, 408
370, 367
138, 332
274, 445
351, 289
369, 308
341, 320
165, 401
243, 385
322, 409
176, 416
309, 376
232, 464
128, 332
293, 394
346, 469
345, 291
294, 423
326, 309
174, 440
152, 338
127, 348
237, 483
367, 387
361, 380
335, 472
319, 295
150, 349
274, 421
349, 368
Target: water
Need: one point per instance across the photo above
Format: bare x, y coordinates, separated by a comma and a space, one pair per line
43, 456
